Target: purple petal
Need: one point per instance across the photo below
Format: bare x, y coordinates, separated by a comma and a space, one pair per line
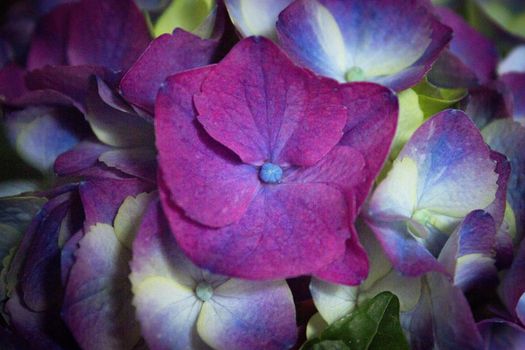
497, 208
139, 162
12, 84
499, 334
48, 45
353, 40
469, 254
370, 127
513, 285
514, 92
97, 302
256, 17
67, 255
113, 126
111, 34
351, 268
43, 331
39, 278
101, 198
343, 168
286, 225
216, 172
508, 137
450, 72
165, 56
474, 50
406, 253
443, 318
71, 82
245, 91
83, 156
484, 105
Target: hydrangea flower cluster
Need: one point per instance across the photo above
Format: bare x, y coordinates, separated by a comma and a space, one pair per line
278, 174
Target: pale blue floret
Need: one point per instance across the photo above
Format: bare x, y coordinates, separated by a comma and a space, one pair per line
204, 291
270, 173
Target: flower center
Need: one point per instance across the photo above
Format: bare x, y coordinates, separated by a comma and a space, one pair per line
355, 74
270, 173
204, 291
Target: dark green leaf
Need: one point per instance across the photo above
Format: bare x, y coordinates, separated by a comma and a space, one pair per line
374, 325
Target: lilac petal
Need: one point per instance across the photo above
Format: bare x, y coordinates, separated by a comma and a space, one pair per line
41, 330
514, 62
165, 56
95, 28
513, 285
514, 89
101, 198
484, 105
508, 137
249, 315
48, 45
67, 256
452, 164
81, 157
474, 50
470, 251
285, 225
445, 314
245, 92
41, 134
329, 37
97, 302
435, 181
113, 126
406, 254
139, 162
520, 309
459, 165
497, 208
216, 172
39, 277
500, 334
256, 17
370, 127
450, 72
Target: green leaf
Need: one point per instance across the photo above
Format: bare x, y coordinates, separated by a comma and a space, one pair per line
328, 345
374, 325
185, 14
433, 99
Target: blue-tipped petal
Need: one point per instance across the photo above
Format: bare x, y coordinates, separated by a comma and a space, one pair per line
363, 40
443, 172
469, 253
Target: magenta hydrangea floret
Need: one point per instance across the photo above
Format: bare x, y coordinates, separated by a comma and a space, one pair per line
265, 181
